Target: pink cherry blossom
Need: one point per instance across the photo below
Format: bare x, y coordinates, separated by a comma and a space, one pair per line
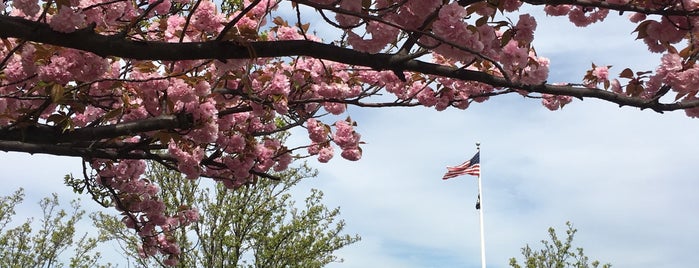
67, 20
665, 30
425, 95
452, 13
170, 261
288, 33
348, 20
537, 72
353, 154
557, 10
554, 102
345, 136
524, 30
56, 70
27, 7
188, 162
317, 131
637, 17
581, 16
206, 18
90, 114
511, 5
283, 162
163, 7
325, 154
601, 73
616, 86
514, 56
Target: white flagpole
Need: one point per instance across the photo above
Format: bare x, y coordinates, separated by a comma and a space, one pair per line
480, 201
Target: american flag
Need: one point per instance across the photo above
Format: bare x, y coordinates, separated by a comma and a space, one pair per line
471, 167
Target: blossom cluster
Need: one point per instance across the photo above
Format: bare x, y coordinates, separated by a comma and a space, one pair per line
142, 210
345, 137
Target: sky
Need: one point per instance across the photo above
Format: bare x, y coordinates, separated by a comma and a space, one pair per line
625, 178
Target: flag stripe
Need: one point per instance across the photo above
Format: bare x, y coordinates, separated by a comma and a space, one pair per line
470, 167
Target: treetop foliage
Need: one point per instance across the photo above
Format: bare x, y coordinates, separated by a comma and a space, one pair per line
557, 253
49, 242
202, 87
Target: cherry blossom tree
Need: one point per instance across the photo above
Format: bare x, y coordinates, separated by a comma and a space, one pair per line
202, 88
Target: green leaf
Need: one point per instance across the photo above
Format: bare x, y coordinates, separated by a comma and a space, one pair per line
642, 28
366, 5
113, 114
482, 20
626, 73
56, 93
56, 118
506, 37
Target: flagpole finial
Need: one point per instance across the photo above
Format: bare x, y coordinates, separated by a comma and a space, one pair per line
478, 146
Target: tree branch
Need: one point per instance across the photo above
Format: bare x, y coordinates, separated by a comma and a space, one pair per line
665, 10
67, 150
112, 45
44, 134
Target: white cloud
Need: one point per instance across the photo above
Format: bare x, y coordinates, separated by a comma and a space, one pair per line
619, 174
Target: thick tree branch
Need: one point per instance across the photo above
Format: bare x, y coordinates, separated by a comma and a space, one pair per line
668, 10
67, 150
43, 134
106, 45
